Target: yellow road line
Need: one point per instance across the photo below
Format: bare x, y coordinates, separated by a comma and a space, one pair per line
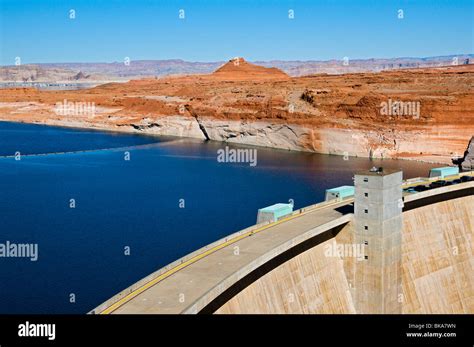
170, 272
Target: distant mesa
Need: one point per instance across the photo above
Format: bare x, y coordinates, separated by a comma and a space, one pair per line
239, 69
79, 76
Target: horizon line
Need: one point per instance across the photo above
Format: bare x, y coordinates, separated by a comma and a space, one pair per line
260, 60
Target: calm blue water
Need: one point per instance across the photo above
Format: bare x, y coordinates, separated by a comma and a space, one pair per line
35, 139
133, 203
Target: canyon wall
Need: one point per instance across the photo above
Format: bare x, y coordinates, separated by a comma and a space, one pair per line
418, 114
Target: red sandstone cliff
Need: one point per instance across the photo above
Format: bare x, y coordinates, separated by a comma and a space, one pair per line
425, 114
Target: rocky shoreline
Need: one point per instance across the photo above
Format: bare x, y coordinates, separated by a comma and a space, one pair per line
467, 162
332, 141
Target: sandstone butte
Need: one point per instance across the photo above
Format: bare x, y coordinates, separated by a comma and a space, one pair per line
244, 103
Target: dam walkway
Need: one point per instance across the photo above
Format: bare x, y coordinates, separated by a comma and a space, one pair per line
190, 284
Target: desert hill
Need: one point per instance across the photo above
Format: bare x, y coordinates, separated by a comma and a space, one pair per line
240, 69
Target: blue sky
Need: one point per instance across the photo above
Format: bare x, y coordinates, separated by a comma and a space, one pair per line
40, 31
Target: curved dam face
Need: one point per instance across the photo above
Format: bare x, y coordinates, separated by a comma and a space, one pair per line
437, 274
438, 259
314, 281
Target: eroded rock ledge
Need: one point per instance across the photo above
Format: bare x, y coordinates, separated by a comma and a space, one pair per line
468, 160
376, 143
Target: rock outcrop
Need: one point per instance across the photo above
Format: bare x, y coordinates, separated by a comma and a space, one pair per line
468, 160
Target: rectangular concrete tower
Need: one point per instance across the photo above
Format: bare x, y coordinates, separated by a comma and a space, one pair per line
378, 225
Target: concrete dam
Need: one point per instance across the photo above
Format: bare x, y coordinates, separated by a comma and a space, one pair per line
387, 248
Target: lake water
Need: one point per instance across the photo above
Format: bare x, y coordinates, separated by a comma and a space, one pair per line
134, 203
